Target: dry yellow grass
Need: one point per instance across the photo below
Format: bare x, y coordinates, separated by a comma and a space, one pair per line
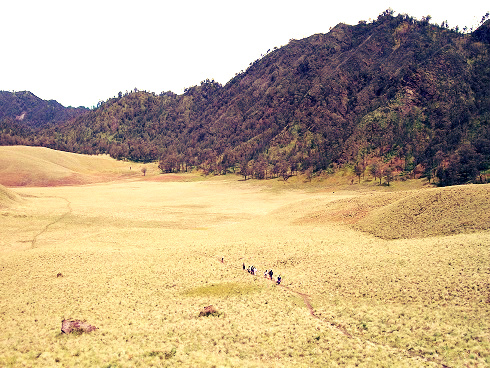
410, 214
7, 197
437, 211
141, 258
40, 166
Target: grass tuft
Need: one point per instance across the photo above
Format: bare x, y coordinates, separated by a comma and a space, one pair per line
222, 290
162, 354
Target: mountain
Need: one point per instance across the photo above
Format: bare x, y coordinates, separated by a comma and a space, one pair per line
29, 110
393, 95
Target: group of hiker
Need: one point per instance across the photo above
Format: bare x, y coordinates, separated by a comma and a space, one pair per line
268, 274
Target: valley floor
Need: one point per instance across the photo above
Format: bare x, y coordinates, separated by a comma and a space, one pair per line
141, 259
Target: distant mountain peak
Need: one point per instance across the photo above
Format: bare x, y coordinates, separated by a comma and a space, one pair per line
29, 110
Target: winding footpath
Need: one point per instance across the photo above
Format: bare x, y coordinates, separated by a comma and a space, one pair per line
45, 228
306, 300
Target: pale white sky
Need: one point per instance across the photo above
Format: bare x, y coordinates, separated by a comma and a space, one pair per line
80, 52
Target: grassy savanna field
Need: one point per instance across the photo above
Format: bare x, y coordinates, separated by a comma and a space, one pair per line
372, 276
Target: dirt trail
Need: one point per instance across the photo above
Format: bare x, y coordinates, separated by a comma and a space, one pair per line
306, 299
45, 228
342, 329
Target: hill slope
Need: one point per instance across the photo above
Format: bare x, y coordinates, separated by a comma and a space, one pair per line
411, 214
396, 87
39, 166
441, 211
31, 111
7, 197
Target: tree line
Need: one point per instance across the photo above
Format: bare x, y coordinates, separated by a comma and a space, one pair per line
394, 97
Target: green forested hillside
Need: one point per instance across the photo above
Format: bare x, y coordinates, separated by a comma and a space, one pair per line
29, 110
394, 95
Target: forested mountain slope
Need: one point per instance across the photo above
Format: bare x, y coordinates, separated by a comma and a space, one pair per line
397, 93
29, 110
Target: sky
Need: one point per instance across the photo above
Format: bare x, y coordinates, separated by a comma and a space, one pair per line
82, 52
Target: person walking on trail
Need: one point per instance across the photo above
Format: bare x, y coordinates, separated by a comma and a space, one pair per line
279, 278
244, 266
266, 273
270, 274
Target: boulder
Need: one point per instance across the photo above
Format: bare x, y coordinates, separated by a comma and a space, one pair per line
76, 326
209, 311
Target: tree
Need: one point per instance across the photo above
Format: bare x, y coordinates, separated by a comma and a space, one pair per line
430, 173
260, 168
143, 170
359, 170
379, 173
309, 173
459, 168
283, 169
467, 161
446, 174
245, 170
374, 169
168, 163
388, 175
275, 169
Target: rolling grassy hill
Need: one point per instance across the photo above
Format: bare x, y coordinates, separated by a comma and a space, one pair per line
410, 214
438, 211
7, 197
39, 166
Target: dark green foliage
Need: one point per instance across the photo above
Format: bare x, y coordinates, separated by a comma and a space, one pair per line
33, 112
396, 87
461, 167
